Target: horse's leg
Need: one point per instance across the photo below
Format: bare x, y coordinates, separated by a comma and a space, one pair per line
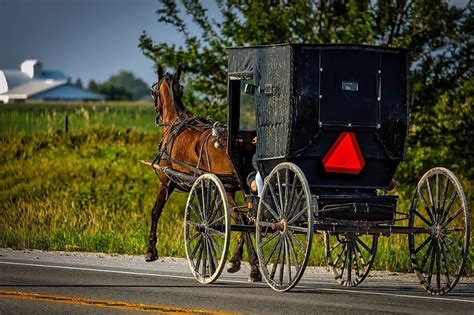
235, 260
244, 238
165, 188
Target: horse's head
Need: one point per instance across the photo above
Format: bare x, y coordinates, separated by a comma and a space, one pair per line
167, 95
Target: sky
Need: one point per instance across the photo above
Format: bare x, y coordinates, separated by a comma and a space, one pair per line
90, 39
87, 39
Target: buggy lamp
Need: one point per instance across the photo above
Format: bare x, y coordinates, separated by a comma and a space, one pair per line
344, 156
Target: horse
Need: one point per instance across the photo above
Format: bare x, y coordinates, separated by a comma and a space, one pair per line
184, 146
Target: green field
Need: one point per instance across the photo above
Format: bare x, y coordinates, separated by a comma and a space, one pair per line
84, 190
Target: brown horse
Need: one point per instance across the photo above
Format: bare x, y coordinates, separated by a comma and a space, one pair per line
185, 146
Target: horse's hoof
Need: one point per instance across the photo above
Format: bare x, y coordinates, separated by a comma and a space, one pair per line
233, 267
255, 276
151, 257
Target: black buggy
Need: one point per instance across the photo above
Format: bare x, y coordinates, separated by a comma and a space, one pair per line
331, 125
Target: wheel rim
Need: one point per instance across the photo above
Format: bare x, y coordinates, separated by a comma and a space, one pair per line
350, 256
439, 256
207, 228
284, 227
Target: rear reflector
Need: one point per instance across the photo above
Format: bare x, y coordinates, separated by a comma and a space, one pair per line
344, 155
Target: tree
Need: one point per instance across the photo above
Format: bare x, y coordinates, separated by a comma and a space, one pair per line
438, 34
121, 86
126, 80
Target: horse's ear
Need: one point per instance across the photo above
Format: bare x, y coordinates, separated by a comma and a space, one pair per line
160, 72
177, 75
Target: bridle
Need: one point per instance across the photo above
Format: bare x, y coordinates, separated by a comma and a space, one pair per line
156, 96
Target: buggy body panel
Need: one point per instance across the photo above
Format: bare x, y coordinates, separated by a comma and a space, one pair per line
309, 94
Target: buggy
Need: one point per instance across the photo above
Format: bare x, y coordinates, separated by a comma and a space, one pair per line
331, 125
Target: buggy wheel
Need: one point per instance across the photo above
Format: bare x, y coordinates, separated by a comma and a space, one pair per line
207, 228
284, 226
439, 256
350, 256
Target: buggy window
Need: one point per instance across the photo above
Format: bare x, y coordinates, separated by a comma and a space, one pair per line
247, 108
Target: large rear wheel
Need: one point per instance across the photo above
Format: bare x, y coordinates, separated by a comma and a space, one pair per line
284, 226
439, 206
207, 228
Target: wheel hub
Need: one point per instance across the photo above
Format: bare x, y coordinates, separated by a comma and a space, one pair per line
436, 231
282, 226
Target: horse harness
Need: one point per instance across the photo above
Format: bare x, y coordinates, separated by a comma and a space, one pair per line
214, 131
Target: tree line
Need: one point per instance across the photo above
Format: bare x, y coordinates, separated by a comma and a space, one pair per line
438, 34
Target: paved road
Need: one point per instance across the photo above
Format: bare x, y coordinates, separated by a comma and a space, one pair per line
44, 282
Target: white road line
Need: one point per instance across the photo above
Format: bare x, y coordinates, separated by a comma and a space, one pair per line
236, 281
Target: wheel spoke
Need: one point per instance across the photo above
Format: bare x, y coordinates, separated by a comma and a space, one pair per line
349, 267
203, 199
194, 192
361, 256
340, 254
427, 207
280, 195
277, 259
199, 258
193, 223
426, 256
446, 186
217, 221
364, 245
445, 262
293, 252
422, 217
344, 262
356, 263
215, 231
454, 216
295, 205
282, 265
428, 239
195, 212
272, 192
267, 260
288, 258
297, 229
269, 239
298, 243
215, 244
438, 203
213, 255
450, 204
204, 258
438, 267
267, 207
430, 194
297, 216
286, 189
198, 245
212, 207
433, 256
192, 238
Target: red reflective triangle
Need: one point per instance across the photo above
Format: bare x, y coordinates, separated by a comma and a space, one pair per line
344, 156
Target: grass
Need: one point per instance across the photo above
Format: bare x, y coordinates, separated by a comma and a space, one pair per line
85, 191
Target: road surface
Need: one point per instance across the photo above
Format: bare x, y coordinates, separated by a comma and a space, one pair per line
88, 283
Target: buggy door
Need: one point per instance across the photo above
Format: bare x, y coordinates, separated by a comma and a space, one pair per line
241, 124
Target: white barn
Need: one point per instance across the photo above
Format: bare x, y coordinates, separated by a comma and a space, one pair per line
34, 83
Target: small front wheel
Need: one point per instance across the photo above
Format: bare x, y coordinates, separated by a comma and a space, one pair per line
207, 228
